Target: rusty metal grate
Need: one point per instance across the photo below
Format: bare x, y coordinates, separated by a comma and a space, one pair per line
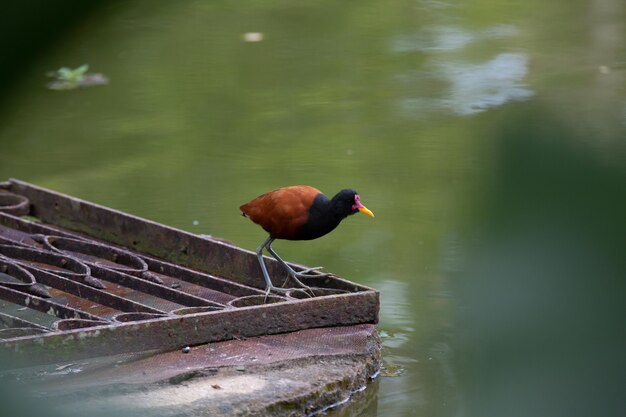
81, 280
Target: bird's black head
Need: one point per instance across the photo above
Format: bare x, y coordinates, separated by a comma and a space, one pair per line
347, 202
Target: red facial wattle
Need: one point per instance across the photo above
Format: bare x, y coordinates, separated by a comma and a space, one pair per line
360, 207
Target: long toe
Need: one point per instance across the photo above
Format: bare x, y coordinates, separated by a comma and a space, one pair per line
280, 290
311, 272
303, 286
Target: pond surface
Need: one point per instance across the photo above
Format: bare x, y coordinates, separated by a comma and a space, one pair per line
449, 118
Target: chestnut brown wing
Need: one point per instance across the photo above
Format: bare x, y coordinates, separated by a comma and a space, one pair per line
282, 212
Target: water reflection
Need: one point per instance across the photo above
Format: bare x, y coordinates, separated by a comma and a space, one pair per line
449, 38
469, 87
477, 87
396, 313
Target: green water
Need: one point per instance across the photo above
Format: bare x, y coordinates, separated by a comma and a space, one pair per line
486, 136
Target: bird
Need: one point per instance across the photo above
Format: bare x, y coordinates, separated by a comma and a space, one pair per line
298, 212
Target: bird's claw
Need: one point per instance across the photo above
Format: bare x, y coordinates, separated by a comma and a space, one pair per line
283, 291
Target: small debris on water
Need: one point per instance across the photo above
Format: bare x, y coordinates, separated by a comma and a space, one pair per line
65, 370
186, 349
390, 370
62, 367
253, 36
66, 78
215, 386
195, 222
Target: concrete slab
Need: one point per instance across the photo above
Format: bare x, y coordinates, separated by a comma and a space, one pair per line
292, 374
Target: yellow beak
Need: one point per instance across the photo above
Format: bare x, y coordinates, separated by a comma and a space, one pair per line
366, 211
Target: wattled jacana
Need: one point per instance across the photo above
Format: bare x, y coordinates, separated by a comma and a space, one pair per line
298, 213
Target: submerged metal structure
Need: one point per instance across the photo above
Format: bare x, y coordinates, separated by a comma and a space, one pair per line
80, 280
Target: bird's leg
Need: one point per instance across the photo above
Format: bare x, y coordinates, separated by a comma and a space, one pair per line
294, 275
290, 270
268, 281
259, 254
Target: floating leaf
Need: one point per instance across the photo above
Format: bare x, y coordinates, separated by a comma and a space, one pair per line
68, 79
82, 69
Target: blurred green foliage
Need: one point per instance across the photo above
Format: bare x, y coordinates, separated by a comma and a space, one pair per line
30, 28
541, 303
